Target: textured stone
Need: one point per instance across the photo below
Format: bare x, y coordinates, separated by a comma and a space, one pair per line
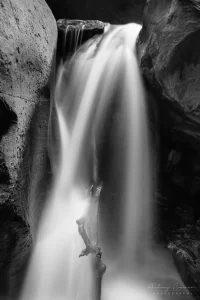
169, 47
28, 40
28, 35
63, 24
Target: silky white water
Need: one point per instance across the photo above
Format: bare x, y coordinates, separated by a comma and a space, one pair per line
85, 90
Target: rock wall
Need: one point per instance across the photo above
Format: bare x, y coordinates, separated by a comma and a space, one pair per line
28, 38
168, 48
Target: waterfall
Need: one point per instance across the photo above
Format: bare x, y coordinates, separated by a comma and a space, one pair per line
101, 72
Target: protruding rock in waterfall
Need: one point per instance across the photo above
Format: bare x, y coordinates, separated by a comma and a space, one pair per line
73, 33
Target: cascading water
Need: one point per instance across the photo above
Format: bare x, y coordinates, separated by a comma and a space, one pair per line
74, 41
86, 87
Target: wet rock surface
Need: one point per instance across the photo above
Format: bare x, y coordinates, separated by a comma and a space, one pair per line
73, 33
28, 40
85, 24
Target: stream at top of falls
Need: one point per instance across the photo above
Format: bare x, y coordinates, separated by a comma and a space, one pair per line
101, 72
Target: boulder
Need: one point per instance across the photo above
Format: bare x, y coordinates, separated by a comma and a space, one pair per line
28, 38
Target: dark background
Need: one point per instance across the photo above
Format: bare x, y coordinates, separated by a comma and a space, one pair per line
112, 11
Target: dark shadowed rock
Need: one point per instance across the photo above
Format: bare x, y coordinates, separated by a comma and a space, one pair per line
169, 47
169, 52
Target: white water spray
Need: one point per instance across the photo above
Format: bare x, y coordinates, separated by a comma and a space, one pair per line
86, 87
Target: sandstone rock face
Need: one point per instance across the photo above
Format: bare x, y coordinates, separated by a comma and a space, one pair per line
28, 35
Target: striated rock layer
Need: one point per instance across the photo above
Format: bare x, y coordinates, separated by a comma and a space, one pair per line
28, 37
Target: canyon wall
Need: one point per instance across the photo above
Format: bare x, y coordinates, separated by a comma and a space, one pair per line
169, 57
28, 38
